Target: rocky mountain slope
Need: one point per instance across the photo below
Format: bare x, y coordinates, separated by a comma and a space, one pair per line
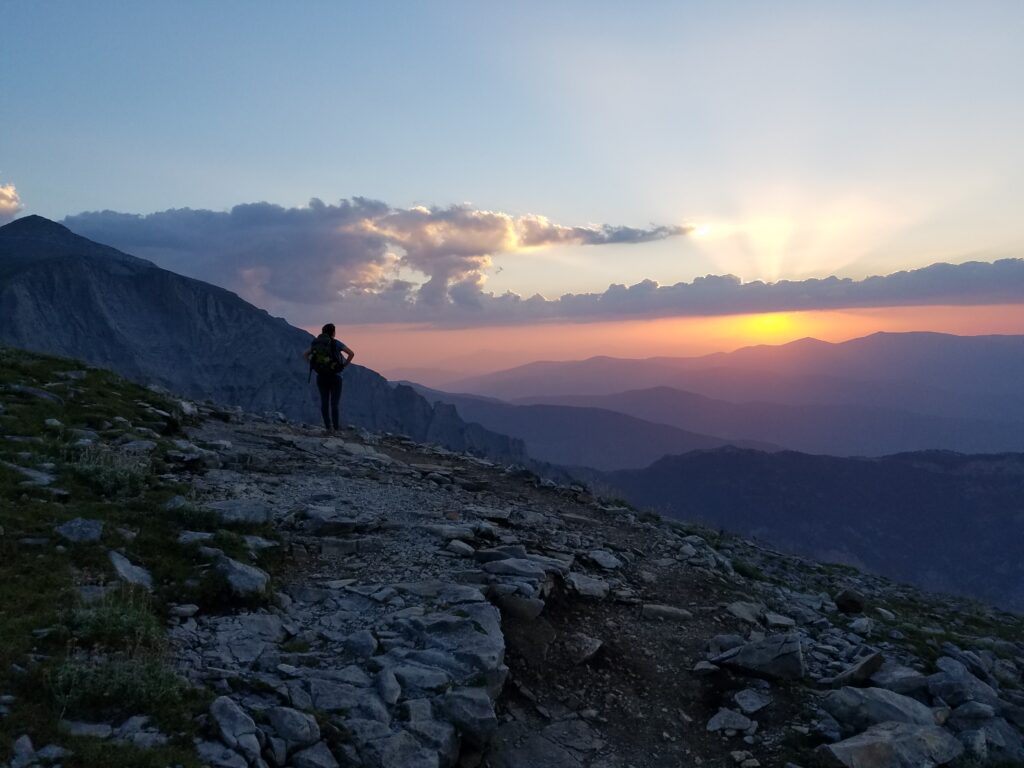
944, 521
183, 585
65, 295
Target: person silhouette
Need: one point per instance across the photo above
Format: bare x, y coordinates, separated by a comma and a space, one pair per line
325, 358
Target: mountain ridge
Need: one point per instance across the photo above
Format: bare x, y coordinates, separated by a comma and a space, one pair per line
66, 295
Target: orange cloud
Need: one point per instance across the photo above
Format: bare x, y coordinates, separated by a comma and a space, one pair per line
10, 202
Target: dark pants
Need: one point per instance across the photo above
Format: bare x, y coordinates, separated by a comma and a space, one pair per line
330, 395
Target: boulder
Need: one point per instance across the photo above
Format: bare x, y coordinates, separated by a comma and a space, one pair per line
587, 586
776, 656
296, 728
858, 708
955, 685
244, 580
748, 612
316, 756
858, 673
604, 559
472, 713
729, 720
893, 745
236, 728
750, 701
127, 571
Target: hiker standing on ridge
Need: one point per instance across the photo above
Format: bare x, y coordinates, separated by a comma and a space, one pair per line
324, 356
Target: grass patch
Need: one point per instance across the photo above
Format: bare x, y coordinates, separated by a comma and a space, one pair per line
113, 688
109, 472
122, 621
92, 661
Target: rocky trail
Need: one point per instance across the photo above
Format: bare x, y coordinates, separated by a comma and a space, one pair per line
388, 603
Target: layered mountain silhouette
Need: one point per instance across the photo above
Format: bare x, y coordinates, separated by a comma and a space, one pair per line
584, 437
842, 430
66, 295
945, 521
970, 377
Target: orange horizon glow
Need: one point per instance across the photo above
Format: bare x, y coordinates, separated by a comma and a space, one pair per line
394, 349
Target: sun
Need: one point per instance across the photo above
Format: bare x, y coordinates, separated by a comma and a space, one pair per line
767, 327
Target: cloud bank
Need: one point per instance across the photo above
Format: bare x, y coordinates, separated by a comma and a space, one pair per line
10, 203
359, 253
362, 261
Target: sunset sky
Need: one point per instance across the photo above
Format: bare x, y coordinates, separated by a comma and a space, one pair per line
469, 186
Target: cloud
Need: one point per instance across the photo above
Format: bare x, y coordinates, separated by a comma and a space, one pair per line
10, 203
357, 252
362, 261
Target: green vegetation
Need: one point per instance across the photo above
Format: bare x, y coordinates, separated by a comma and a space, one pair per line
97, 442
748, 570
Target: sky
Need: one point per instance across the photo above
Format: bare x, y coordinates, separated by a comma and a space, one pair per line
462, 185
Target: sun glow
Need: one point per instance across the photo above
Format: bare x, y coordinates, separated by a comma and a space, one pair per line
770, 327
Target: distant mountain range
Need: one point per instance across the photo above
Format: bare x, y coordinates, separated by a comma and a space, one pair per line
947, 522
841, 430
584, 437
970, 377
66, 295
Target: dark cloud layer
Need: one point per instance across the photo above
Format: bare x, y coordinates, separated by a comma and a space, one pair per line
358, 252
364, 261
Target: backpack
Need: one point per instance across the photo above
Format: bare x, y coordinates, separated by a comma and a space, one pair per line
324, 357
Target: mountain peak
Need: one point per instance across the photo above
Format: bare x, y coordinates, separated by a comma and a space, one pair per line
36, 226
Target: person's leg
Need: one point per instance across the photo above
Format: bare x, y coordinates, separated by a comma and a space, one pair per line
336, 401
323, 383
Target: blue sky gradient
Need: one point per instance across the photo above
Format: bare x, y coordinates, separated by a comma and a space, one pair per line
801, 139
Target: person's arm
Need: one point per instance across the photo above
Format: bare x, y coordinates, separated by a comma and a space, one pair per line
349, 354
306, 354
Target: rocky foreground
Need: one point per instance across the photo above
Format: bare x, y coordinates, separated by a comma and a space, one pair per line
363, 600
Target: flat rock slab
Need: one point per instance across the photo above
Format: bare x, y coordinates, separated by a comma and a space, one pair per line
242, 510
587, 586
81, 531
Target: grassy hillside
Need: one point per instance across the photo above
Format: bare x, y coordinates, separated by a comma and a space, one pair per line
76, 643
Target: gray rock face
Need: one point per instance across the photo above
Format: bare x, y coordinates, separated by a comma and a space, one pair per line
858, 708
777, 656
893, 745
